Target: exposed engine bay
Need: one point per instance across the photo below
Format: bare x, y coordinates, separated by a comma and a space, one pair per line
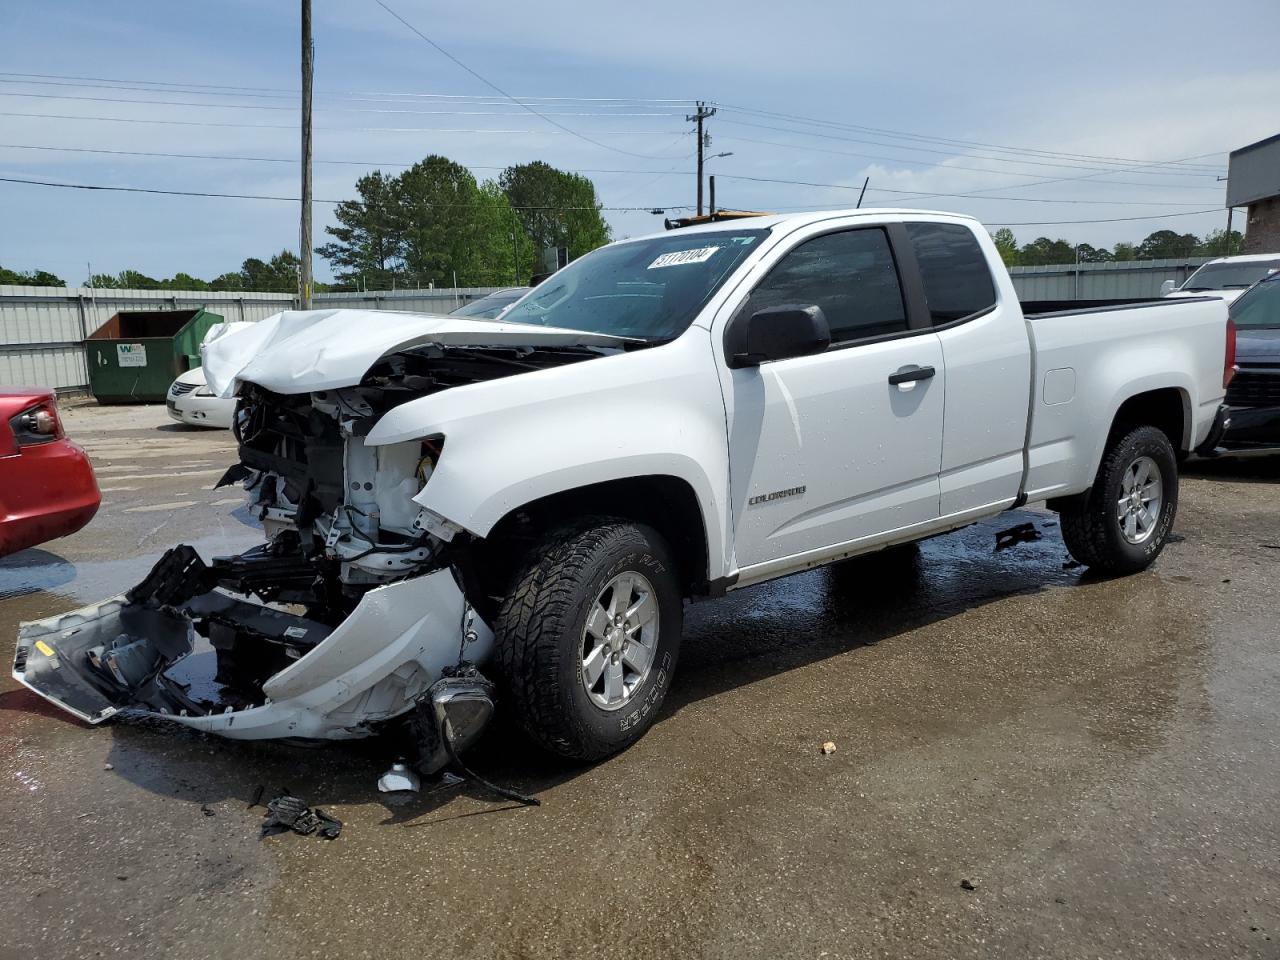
352, 614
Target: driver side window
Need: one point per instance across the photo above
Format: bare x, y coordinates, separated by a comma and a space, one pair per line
851, 275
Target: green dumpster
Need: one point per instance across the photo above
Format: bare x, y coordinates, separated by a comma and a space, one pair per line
135, 355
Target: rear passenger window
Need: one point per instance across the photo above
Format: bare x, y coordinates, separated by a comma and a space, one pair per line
850, 275
957, 281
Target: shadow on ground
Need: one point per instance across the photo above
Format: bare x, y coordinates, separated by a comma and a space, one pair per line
731, 642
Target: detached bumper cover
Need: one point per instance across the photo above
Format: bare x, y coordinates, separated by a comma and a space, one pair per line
373, 666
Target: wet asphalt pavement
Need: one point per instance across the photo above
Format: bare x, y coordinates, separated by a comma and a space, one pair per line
1099, 760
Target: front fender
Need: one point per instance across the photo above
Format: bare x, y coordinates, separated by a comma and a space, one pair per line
508, 442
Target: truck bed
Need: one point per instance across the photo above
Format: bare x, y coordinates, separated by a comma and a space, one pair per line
1175, 344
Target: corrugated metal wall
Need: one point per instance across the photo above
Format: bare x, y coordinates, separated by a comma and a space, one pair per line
42, 329
1128, 280
440, 300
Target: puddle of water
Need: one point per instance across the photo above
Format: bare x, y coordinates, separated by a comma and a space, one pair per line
40, 571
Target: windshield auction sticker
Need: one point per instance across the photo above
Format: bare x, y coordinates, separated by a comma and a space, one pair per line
680, 257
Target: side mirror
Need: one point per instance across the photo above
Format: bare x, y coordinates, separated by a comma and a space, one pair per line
776, 333
1168, 287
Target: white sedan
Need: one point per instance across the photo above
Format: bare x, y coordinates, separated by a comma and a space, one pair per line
191, 401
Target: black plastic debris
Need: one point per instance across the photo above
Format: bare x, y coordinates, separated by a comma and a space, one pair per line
287, 812
1022, 533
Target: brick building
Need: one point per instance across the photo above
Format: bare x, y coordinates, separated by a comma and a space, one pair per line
1253, 181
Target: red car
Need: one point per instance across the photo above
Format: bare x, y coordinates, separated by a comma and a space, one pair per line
47, 487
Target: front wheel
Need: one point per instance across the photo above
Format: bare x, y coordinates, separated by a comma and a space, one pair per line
588, 638
1121, 525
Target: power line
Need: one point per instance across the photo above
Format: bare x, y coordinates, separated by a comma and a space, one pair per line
489, 83
1004, 148
269, 106
917, 193
348, 163
1063, 223
954, 166
949, 153
643, 209
252, 196
936, 164
286, 126
292, 92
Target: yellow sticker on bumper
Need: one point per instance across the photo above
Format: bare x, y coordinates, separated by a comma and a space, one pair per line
44, 648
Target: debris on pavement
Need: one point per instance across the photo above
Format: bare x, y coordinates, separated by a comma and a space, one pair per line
256, 799
400, 779
287, 812
207, 810
968, 885
829, 748
1021, 533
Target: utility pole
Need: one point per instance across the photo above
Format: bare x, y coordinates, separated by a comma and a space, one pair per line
304, 237
704, 141
712, 180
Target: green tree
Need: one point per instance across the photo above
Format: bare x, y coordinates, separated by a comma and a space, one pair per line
278, 275
1166, 244
31, 278
184, 281
558, 209
1124, 251
367, 247
436, 205
1042, 250
228, 281
1217, 244
502, 252
1088, 253
1007, 244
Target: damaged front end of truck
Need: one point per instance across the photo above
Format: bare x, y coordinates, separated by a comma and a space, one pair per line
356, 612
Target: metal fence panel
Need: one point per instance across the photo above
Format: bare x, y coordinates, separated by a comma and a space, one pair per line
1128, 279
42, 329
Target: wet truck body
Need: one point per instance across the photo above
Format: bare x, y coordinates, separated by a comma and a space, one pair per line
447, 502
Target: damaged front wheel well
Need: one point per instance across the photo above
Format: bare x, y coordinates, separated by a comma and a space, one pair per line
667, 504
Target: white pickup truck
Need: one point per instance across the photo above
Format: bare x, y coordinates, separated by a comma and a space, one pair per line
533, 499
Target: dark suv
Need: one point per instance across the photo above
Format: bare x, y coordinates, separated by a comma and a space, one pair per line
1254, 394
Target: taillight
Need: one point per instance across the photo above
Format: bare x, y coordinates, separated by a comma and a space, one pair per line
1229, 360
37, 424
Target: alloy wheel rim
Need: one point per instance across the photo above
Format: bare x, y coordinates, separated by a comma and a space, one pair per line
1141, 499
619, 640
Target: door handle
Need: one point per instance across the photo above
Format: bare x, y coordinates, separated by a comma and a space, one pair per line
911, 376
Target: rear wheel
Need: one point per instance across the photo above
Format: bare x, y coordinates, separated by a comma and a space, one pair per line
1123, 522
588, 638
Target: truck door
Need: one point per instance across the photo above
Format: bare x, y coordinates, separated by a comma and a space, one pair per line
988, 357
842, 447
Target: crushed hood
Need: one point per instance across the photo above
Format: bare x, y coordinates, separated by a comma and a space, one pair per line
301, 351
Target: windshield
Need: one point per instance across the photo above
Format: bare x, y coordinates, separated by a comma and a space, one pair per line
650, 289
1230, 276
486, 308
1260, 307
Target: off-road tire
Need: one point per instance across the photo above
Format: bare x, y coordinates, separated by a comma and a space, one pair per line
1090, 527
539, 631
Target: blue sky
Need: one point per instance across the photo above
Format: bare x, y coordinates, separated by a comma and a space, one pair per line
922, 97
